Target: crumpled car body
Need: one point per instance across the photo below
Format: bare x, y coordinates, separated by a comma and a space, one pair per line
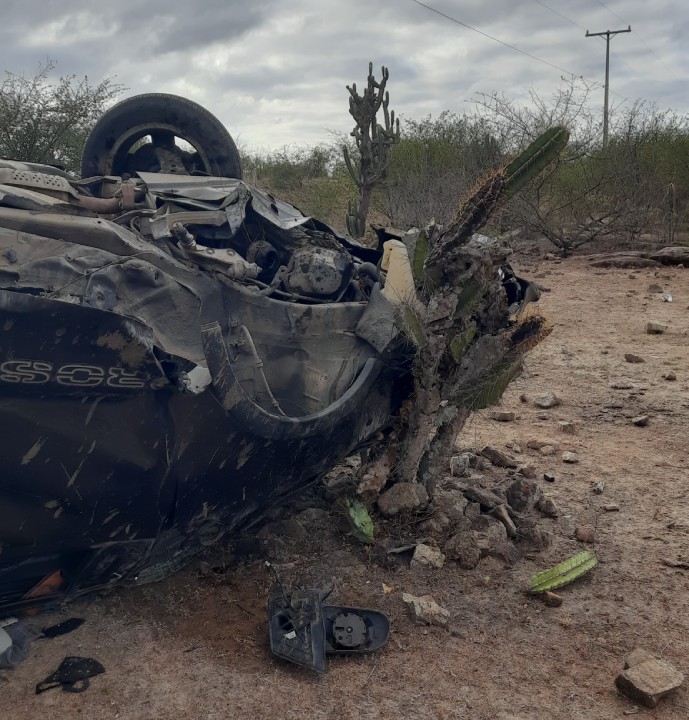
179, 352
155, 396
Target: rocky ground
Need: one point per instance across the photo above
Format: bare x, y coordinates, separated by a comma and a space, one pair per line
601, 466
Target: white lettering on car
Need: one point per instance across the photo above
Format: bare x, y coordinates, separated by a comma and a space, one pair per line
74, 375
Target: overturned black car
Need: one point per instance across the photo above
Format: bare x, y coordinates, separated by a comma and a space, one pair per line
179, 351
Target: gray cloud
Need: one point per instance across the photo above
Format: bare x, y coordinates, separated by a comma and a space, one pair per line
275, 72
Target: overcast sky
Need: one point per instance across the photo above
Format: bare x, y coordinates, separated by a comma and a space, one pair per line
275, 71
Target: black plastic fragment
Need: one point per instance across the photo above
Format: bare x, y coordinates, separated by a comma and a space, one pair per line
72, 675
62, 628
297, 630
303, 630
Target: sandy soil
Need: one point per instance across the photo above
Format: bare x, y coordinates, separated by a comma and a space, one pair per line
196, 647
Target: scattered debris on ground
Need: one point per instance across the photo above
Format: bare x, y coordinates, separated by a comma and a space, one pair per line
655, 328
547, 400
646, 679
425, 610
72, 676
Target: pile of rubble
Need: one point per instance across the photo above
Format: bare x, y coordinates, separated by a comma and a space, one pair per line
489, 505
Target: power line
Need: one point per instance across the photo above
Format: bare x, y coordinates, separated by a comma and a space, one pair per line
494, 39
574, 22
612, 12
556, 12
507, 45
643, 42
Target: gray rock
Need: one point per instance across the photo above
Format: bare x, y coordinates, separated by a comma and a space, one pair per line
376, 476
527, 470
570, 457
403, 497
523, 494
547, 450
549, 477
637, 656
460, 464
548, 507
631, 358
670, 377
622, 384
438, 524
566, 427
427, 556
425, 610
546, 400
450, 503
655, 328
509, 554
485, 498
611, 507
655, 288
464, 548
503, 415
490, 534
472, 510
498, 458
598, 488
640, 420
530, 531
649, 681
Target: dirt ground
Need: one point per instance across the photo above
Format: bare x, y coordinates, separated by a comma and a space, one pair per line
196, 646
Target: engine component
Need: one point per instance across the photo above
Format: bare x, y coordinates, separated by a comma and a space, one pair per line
319, 271
226, 260
265, 256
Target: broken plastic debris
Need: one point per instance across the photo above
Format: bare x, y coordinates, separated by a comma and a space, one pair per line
303, 630
72, 675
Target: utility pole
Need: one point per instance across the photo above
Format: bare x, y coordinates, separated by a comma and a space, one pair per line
608, 34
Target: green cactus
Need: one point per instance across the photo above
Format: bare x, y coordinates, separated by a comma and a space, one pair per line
374, 143
564, 573
461, 341
496, 189
528, 164
352, 220
360, 521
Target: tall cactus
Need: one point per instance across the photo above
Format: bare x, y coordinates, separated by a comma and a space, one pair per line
374, 143
471, 351
491, 192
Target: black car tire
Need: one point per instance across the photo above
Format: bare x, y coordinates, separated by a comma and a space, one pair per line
106, 151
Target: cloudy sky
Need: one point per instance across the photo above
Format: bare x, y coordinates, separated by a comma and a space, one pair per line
275, 71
